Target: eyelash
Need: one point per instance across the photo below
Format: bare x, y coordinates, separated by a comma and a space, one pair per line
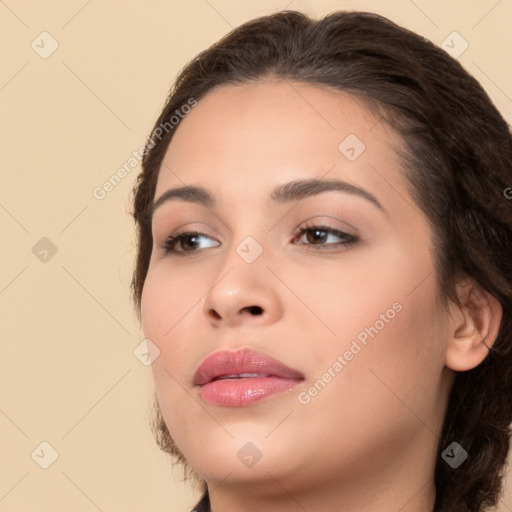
349, 240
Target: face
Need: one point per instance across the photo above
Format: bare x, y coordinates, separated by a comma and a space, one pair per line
335, 282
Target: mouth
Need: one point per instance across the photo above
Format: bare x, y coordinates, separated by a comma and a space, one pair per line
243, 377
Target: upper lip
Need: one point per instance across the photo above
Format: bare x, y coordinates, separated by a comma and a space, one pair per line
227, 362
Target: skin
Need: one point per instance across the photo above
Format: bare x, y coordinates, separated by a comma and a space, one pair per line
367, 441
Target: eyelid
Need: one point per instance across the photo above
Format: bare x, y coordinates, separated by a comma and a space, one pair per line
163, 231
344, 223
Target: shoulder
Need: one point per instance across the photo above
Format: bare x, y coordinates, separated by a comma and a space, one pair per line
203, 505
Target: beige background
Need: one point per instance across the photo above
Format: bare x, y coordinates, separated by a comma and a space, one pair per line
68, 373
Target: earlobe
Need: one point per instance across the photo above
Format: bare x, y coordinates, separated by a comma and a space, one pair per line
473, 326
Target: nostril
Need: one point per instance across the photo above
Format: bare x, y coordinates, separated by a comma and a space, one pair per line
214, 314
255, 310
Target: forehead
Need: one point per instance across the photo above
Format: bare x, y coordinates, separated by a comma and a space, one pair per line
248, 138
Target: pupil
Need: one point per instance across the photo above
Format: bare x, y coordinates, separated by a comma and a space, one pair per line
317, 237
192, 238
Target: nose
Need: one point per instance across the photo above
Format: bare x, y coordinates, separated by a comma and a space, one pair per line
243, 293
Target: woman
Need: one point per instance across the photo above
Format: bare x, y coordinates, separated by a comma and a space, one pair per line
324, 239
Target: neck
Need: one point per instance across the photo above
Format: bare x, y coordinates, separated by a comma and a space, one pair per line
325, 500
405, 483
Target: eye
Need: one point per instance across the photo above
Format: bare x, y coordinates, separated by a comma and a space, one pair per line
177, 243
318, 235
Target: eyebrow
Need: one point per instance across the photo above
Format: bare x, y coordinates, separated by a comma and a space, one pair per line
291, 191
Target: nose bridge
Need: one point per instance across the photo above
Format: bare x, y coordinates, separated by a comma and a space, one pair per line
247, 247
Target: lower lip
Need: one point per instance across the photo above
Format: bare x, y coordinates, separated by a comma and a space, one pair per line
245, 391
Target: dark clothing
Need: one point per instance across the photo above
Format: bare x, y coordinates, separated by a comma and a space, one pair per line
204, 504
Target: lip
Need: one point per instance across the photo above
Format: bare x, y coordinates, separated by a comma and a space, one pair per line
219, 381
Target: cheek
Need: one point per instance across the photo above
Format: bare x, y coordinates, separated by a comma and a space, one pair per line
394, 357
386, 389
388, 324
358, 297
168, 312
168, 302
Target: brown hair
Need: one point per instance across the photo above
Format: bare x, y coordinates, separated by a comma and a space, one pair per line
459, 164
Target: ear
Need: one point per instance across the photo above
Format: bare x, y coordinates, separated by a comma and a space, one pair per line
473, 326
